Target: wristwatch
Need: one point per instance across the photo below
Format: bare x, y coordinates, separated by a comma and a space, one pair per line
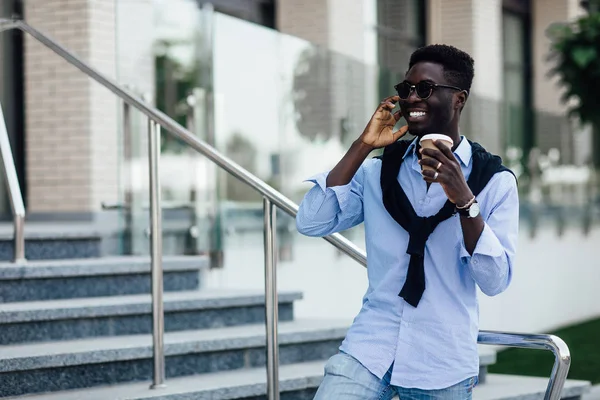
470, 212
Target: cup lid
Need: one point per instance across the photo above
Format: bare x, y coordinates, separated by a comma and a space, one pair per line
437, 136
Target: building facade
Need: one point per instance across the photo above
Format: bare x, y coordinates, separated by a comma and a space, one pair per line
65, 129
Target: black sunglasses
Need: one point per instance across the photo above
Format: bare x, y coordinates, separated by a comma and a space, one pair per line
424, 89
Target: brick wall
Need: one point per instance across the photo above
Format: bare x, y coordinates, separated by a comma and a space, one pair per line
306, 19
58, 110
73, 134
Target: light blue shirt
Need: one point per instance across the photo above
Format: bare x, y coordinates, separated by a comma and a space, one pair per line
433, 346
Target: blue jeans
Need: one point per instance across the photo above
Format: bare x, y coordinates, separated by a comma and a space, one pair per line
347, 379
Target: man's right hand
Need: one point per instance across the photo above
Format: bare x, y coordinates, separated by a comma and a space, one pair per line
379, 132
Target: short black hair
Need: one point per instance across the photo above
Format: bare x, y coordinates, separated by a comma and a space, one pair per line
458, 65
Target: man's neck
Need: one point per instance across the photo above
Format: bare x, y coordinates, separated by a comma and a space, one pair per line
455, 136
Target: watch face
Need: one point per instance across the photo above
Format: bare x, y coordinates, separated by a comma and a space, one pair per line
474, 210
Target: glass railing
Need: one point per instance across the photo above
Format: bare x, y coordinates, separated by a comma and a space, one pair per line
286, 109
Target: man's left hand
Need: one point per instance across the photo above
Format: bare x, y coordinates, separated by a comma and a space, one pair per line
447, 172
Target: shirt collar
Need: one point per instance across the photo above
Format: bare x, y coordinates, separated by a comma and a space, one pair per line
462, 152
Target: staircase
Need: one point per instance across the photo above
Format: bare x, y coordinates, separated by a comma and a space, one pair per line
75, 325
79, 329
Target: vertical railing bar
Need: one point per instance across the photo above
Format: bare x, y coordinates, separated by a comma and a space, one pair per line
127, 160
271, 304
156, 255
560, 369
562, 356
14, 191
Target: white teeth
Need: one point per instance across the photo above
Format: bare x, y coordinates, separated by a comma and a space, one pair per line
417, 114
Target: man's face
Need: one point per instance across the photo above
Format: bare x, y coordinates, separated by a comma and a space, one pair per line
434, 114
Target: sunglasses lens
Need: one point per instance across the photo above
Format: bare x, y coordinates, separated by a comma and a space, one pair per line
424, 89
403, 90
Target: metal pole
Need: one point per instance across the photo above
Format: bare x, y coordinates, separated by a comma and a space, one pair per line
158, 326
562, 356
560, 370
14, 191
271, 305
127, 162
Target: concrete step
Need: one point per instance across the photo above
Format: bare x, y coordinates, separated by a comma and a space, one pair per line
95, 277
67, 365
129, 315
48, 241
297, 382
508, 387
43, 367
593, 394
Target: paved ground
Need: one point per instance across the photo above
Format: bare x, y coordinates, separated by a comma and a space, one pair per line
594, 394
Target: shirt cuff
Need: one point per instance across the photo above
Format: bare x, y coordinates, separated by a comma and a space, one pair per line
340, 192
487, 245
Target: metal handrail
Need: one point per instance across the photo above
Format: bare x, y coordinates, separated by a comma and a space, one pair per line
271, 198
562, 356
181, 133
14, 190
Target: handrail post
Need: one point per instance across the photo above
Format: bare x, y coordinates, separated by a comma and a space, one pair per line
158, 325
271, 304
562, 356
127, 161
19, 238
560, 370
14, 191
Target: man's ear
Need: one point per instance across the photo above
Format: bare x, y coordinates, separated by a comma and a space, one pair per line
460, 100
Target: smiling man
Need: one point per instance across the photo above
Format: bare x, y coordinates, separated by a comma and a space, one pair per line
432, 237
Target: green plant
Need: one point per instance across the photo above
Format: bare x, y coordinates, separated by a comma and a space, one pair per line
575, 52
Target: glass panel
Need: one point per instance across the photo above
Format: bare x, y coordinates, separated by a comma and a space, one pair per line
290, 113
162, 63
286, 109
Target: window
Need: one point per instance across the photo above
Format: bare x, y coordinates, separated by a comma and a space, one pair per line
517, 102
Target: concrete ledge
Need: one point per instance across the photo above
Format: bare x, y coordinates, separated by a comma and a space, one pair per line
297, 381
96, 266
60, 320
513, 387
58, 366
94, 307
95, 351
114, 276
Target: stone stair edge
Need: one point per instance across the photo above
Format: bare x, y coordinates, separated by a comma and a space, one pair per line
519, 387
96, 266
120, 348
23, 357
92, 307
239, 384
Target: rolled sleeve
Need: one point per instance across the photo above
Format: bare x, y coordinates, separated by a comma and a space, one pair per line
489, 263
325, 210
336, 196
493, 257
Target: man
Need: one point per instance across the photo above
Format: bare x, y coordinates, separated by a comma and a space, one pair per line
432, 237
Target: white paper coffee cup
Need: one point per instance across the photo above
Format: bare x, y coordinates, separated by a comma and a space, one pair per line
426, 142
